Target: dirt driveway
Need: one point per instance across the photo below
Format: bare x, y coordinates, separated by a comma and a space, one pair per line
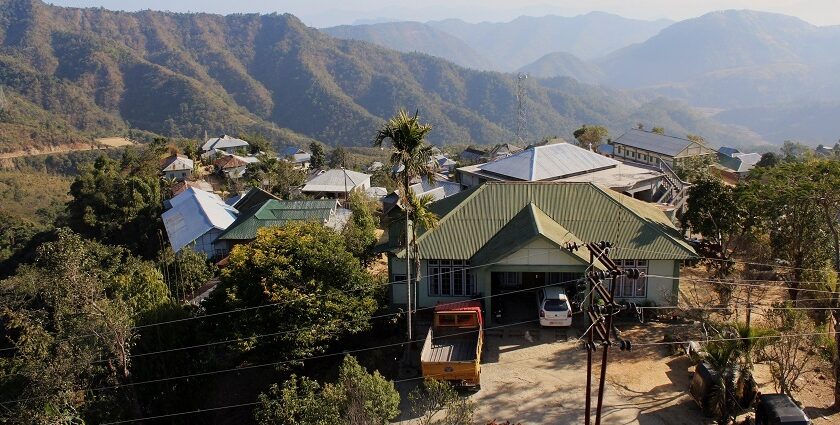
538, 376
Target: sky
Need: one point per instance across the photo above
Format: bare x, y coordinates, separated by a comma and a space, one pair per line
321, 13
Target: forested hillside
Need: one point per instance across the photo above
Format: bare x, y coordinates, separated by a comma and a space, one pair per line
96, 71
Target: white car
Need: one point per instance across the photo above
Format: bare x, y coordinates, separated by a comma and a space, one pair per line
553, 307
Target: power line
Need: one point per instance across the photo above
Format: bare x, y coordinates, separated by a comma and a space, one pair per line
743, 284
222, 313
304, 328
499, 363
320, 356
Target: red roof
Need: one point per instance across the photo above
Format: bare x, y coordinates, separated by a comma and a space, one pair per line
470, 305
229, 161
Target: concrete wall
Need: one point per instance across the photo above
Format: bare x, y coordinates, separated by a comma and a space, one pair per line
205, 242
177, 175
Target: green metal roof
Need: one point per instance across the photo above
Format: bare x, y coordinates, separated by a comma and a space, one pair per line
529, 224
277, 213
589, 212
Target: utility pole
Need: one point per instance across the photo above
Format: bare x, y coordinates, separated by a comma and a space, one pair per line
601, 327
521, 122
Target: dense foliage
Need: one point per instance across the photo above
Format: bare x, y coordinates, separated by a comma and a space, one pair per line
324, 291
357, 397
69, 319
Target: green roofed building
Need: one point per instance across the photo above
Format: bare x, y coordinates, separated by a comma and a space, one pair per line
275, 212
509, 237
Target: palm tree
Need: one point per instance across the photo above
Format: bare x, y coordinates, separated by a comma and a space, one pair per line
411, 157
421, 217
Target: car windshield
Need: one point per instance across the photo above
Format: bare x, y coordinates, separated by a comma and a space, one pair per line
555, 305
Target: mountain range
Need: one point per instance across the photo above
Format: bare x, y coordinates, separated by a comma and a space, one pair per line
735, 62
70, 72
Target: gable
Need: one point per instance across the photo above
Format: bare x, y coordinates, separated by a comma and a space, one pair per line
541, 251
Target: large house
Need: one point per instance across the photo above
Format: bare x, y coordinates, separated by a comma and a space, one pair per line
196, 219
565, 162
507, 237
648, 147
336, 183
273, 212
225, 144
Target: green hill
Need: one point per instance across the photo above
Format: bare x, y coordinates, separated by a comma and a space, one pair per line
562, 64
180, 74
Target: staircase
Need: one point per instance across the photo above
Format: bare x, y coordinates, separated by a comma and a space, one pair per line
672, 190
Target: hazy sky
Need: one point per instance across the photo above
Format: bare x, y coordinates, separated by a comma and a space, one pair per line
333, 12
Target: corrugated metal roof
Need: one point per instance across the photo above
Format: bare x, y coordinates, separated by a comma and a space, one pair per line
549, 162
223, 142
177, 163
254, 197
277, 213
194, 212
592, 213
528, 224
654, 142
336, 180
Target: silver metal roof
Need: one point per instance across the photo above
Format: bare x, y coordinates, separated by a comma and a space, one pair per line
194, 212
336, 181
549, 162
653, 142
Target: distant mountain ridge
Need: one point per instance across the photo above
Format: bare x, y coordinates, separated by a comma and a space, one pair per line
180, 74
562, 64
414, 37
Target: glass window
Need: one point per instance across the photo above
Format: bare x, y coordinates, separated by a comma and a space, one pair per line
458, 283
555, 305
450, 278
434, 280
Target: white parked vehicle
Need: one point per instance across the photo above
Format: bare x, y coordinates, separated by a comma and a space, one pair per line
554, 307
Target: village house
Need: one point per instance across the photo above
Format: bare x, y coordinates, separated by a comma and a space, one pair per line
733, 166
196, 218
298, 157
274, 212
253, 197
512, 236
176, 167
225, 143
472, 155
231, 166
336, 184
437, 190
648, 147
565, 162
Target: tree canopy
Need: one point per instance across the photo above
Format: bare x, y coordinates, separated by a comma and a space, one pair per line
324, 291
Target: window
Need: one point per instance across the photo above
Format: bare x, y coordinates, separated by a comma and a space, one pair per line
450, 278
632, 288
399, 279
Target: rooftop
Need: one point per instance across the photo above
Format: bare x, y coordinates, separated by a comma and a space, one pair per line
543, 163
176, 163
470, 219
336, 181
654, 142
194, 212
223, 142
275, 212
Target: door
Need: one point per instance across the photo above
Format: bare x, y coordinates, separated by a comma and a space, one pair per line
533, 280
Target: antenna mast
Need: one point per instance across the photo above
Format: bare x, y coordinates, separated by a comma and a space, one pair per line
521, 120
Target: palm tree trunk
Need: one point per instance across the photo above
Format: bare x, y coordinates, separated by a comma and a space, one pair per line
408, 242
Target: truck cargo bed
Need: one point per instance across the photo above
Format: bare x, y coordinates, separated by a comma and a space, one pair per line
457, 348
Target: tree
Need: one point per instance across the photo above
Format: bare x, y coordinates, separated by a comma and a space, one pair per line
658, 130
318, 158
69, 317
590, 137
768, 160
357, 397
695, 168
795, 151
274, 175
411, 156
325, 292
185, 271
439, 397
338, 158
360, 232
421, 218
258, 144
790, 355
118, 206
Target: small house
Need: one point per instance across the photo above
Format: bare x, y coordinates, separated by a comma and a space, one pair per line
298, 157
227, 144
336, 184
274, 212
196, 219
177, 167
231, 166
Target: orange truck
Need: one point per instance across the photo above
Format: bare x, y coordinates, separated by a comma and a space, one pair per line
452, 351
